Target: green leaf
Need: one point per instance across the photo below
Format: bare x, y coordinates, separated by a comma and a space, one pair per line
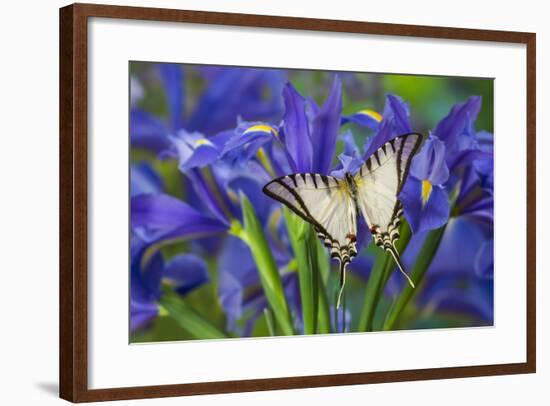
323, 315
423, 261
301, 238
323, 261
372, 295
380, 273
253, 235
269, 322
187, 317
323, 265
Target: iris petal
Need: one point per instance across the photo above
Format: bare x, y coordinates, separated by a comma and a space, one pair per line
484, 267
146, 131
141, 314
429, 164
173, 80
186, 272
325, 129
366, 118
395, 121
450, 127
296, 129
194, 150
424, 215
237, 91
144, 180
160, 211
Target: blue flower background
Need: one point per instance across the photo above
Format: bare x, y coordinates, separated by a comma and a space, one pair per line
213, 257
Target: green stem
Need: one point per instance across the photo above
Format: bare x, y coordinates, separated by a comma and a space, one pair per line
423, 261
269, 322
253, 235
266, 162
323, 265
301, 239
187, 317
323, 317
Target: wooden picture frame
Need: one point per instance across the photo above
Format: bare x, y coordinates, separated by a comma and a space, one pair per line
73, 197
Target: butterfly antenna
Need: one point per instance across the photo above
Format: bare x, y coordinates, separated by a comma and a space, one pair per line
342, 283
395, 256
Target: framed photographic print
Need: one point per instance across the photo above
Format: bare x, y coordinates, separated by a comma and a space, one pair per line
256, 202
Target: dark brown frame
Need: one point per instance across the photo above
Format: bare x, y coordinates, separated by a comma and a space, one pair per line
73, 253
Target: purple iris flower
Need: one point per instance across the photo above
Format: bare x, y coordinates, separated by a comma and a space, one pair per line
184, 272
160, 217
310, 132
144, 180
304, 142
247, 140
446, 161
198, 159
215, 112
475, 199
458, 281
485, 260
463, 294
485, 166
350, 158
146, 130
366, 118
475, 205
454, 158
424, 198
395, 121
456, 130
193, 150
250, 93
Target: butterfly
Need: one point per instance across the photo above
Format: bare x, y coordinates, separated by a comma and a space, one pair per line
332, 204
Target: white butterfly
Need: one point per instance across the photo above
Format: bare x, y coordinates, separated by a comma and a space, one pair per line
331, 205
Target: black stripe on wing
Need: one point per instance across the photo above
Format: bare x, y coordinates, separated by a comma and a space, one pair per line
405, 146
343, 253
302, 210
403, 171
388, 238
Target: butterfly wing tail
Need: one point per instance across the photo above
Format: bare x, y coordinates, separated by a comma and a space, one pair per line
394, 253
342, 283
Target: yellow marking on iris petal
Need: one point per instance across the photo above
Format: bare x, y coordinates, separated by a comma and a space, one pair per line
372, 114
232, 196
265, 161
274, 219
426, 191
262, 128
201, 141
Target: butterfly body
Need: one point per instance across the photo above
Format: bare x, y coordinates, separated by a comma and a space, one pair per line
352, 186
332, 205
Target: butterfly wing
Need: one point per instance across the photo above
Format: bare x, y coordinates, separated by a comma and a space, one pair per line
379, 182
326, 203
